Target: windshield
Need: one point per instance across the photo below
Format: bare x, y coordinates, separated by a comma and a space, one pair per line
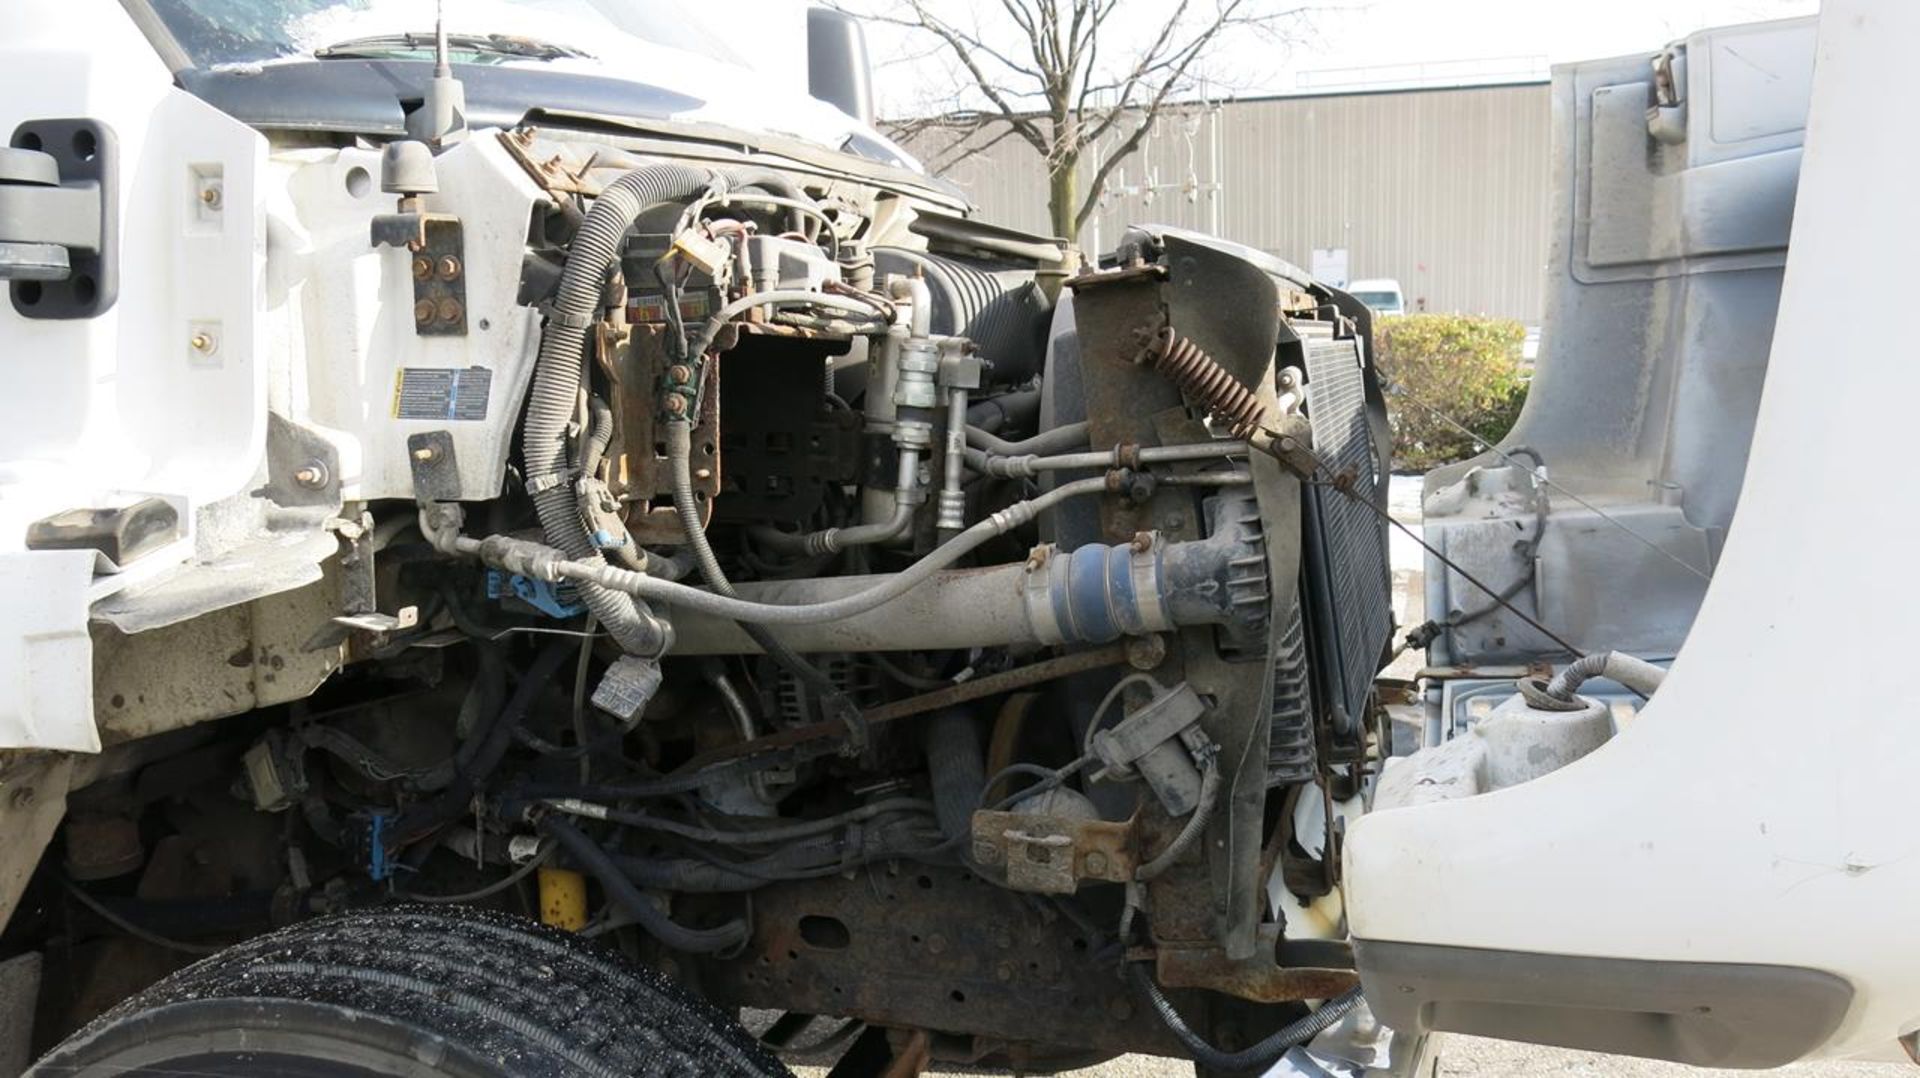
1379, 301
252, 31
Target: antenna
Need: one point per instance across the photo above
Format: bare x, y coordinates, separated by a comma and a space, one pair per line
441, 69
442, 115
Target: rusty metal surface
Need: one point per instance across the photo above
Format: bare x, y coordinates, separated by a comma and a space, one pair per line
974, 689
33, 798
925, 947
221, 663
1051, 855
637, 366
1020, 677
439, 272
1230, 309
550, 172
1259, 978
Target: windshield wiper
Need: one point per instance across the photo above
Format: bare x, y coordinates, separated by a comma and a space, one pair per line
377, 45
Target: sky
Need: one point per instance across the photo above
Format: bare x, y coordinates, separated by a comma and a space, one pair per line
1349, 43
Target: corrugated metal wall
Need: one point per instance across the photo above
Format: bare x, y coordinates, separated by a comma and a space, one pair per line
1443, 189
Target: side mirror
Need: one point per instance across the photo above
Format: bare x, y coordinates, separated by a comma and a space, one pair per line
838, 71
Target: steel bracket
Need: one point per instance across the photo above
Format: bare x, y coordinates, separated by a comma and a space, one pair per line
1260, 977
438, 266
1051, 855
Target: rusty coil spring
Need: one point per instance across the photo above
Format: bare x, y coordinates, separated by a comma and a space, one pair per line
1184, 364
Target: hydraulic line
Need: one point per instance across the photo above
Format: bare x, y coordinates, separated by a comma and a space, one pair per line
1066, 436
1001, 522
1257, 1057
629, 898
755, 837
1028, 465
679, 460
1636, 674
957, 769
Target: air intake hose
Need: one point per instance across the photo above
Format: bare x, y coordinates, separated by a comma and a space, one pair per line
557, 378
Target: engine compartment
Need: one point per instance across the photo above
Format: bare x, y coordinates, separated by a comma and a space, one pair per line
852, 609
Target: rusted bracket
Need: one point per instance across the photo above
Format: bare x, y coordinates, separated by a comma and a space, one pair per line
1260, 978
1051, 855
437, 245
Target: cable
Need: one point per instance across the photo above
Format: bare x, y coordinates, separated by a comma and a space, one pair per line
621, 891
679, 461
768, 835
1049, 778
1100, 709
1455, 566
144, 935
719, 319
1196, 825
1054, 440
1255, 1057
539, 858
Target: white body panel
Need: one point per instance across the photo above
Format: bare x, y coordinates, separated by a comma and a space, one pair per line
1758, 811
341, 310
111, 409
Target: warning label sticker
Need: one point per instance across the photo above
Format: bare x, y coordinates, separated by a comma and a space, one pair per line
437, 393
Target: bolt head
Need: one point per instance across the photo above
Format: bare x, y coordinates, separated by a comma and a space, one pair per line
425, 453
311, 474
203, 343
1096, 863
676, 405
422, 267
449, 268
680, 374
986, 853
423, 311
450, 310
1146, 652
210, 195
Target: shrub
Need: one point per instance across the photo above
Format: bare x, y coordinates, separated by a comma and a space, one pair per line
1464, 367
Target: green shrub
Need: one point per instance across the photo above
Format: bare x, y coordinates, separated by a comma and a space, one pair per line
1464, 367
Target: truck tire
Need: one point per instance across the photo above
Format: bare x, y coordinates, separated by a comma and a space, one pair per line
407, 990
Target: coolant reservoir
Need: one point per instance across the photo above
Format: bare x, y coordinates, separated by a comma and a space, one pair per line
1517, 743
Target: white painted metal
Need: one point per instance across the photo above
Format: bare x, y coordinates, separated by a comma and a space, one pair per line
1514, 744
105, 410
342, 310
1761, 808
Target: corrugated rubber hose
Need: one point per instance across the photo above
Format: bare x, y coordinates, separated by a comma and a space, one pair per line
957, 768
558, 375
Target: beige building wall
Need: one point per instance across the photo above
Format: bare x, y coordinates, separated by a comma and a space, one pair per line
1444, 189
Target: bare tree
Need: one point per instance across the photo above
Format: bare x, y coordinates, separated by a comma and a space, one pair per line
1053, 74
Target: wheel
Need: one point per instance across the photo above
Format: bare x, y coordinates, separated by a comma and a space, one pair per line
413, 991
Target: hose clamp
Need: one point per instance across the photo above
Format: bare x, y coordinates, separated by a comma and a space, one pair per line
540, 484
570, 321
